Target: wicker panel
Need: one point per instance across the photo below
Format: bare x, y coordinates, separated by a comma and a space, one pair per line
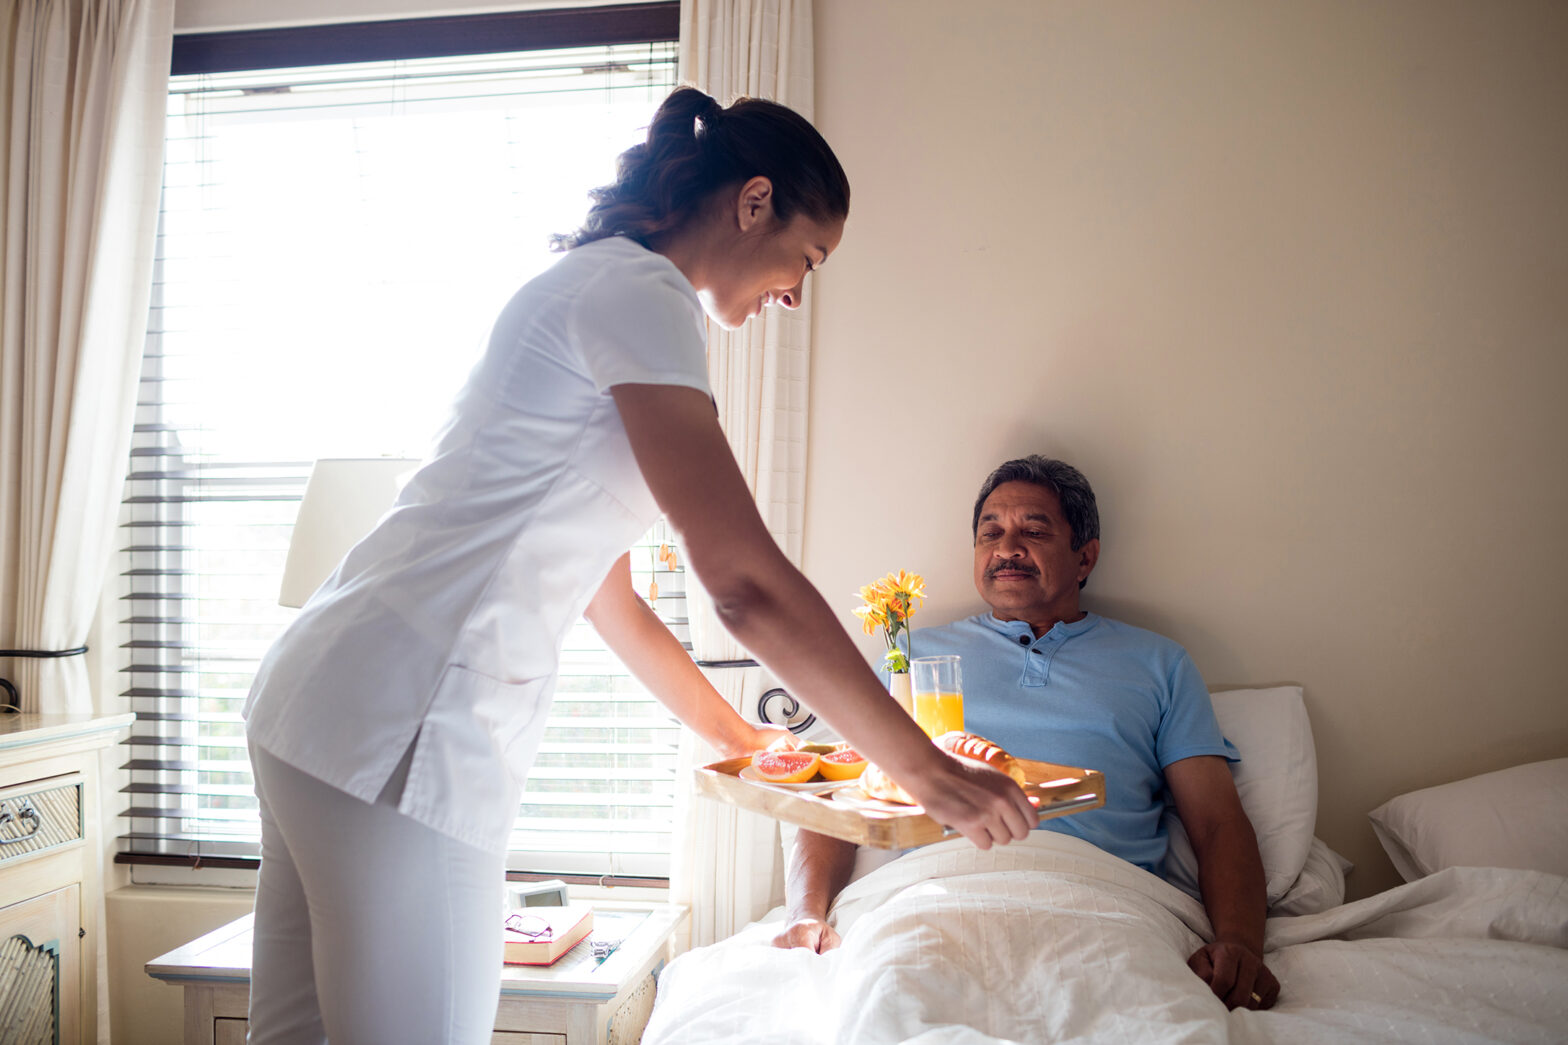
627, 1024
34, 818
29, 979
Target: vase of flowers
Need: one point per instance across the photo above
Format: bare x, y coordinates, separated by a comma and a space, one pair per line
898, 687
886, 606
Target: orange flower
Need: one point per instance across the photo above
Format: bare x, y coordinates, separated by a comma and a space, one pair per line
910, 584
888, 603
871, 618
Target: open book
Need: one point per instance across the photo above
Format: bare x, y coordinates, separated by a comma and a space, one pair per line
540, 935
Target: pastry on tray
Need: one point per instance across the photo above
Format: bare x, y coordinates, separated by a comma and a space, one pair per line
966, 746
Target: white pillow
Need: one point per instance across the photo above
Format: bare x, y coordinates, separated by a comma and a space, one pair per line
1277, 779
1510, 818
1320, 885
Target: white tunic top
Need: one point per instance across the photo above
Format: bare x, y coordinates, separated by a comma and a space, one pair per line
446, 622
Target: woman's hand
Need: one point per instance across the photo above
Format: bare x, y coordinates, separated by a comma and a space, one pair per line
636, 634
983, 805
759, 739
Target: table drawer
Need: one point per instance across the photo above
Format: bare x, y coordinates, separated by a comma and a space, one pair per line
39, 816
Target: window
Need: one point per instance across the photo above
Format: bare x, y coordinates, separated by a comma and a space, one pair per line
335, 239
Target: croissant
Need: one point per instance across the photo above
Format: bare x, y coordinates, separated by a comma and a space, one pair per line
967, 746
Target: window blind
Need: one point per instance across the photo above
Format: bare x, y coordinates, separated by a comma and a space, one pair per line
334, 241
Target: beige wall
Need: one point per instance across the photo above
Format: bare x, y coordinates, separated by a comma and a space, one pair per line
1286, 280
143, 923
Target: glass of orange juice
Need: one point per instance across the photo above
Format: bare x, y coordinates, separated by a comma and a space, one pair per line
939, 694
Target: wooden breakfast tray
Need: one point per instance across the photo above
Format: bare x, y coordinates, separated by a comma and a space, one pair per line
1062, 790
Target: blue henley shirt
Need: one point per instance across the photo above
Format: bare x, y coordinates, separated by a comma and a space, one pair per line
1094, 693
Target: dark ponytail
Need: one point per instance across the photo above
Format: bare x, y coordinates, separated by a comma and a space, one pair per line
696, 147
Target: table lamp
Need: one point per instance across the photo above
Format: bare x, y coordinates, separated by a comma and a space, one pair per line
344, 499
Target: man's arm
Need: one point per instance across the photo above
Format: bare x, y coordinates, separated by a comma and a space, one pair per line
819, 868
1230, 876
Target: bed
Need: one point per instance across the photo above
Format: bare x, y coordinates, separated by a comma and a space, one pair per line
1052, 939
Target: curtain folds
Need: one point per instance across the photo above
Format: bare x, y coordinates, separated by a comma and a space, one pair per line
83, 88
725, 860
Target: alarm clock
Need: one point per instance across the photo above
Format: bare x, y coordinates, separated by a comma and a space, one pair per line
549, 893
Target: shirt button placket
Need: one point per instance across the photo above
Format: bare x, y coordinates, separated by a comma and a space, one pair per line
1037, 668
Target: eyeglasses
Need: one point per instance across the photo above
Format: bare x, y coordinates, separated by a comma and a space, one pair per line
530, 925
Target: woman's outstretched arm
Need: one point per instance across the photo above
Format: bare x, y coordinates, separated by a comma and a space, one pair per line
772, 609
636, 635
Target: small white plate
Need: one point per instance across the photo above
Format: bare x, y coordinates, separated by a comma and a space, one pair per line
810, 787
858, 799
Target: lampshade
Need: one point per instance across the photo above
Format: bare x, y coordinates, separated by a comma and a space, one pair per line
344, 499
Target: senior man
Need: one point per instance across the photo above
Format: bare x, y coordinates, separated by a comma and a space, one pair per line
1049, 681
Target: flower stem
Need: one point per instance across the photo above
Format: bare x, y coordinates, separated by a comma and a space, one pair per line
909, 633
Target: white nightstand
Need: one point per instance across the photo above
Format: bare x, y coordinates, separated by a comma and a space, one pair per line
576, 1001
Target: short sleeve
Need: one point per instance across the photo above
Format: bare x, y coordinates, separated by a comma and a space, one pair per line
638, 322
1188, 727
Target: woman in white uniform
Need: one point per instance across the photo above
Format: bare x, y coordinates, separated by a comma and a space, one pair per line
392, 723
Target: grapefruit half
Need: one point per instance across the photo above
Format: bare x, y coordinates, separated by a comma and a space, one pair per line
844, 764
785, 767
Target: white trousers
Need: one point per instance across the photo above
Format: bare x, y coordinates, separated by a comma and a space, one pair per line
371, 928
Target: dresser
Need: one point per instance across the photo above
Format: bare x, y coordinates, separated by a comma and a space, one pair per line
51, 885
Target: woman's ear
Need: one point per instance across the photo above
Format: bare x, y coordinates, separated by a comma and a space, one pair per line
754, 204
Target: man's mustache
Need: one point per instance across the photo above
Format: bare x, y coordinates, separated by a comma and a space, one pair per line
1012, 567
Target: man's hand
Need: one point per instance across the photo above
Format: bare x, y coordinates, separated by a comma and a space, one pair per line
1236, 974
1230, 876
819, 868
811, 933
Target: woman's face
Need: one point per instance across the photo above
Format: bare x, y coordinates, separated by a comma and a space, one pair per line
764, 261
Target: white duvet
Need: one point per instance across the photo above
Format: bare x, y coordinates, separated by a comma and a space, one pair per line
1051, 939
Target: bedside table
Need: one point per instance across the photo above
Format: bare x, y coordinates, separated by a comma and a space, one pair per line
576, 1001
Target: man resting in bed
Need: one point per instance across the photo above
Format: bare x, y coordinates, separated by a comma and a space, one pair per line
1048, 681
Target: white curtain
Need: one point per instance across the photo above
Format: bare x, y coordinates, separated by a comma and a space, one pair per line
725, 863
83, 88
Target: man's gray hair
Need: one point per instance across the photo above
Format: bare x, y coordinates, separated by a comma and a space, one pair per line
1062, 479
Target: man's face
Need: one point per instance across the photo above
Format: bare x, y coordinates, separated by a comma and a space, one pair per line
1025, 565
